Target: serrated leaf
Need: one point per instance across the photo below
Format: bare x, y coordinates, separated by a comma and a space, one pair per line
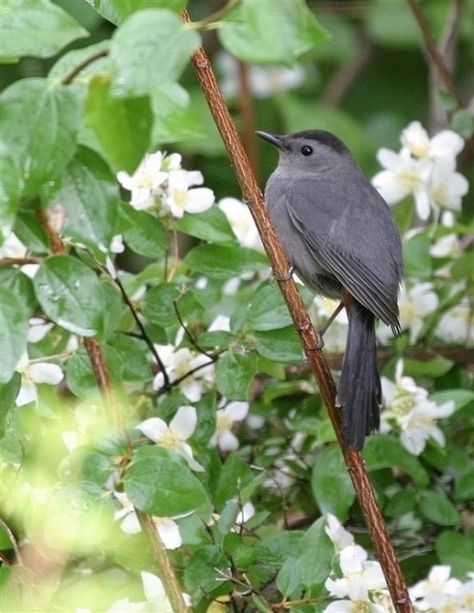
159, 482
268, 310
38, 28
117, 10
146, 40
13, 332
278, 32
158, 305
384, 451
281, 345
89, 197
234, 373
71, 295
331, 484
146, 236
43, 142
122, 126
436, 507
222, 261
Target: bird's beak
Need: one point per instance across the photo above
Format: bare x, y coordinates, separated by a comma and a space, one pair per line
274, 139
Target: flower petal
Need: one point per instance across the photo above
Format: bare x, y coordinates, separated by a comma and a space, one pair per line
184, 422
237, 411
199, 199
154, 428
43, 372
169, 532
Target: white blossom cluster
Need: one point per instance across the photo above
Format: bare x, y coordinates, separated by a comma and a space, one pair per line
160, 182
409, 409
360, 585
424, 168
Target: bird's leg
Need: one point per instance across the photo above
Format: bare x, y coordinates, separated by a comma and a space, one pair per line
322, 331
286, 277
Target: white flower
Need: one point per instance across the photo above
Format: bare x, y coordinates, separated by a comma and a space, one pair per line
351, 606
409, 407
414, 304
445, 144
166, 527
116, 244
403, 176
242, 223
264, 80
220, 323
33, 373
38, 329
446, 246
181, 428
180, 362
247, 511
180, 199
155, 595
12, 247
438, 592
457, 324
227, 415
146, 182
447, 186
360, 576
334, 529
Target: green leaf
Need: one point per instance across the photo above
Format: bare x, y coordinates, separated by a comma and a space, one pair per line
234, 476
268, 310
38, 28
315, 560
281, 345
11, 185
436, 507
416, 256
234, 374
211, 225
277, 32
456, 549
159, 482
223, 262
464, 489
43, 142
289, 577
71, 295
8, 393
121, 126
147, 236
384, 451
74, 58
201, 576
116, 10
149, 39
80, 377
463, 266
20, 285
158, 305
435, 367
401, 503
331, 484
13, 332
89, 197
274, 549
460, 397
133, 354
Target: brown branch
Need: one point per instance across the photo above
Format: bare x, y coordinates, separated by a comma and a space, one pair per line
434, 53
252, 194
17, 261
69, 78
104, 383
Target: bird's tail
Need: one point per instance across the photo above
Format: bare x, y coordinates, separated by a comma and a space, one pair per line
360, 393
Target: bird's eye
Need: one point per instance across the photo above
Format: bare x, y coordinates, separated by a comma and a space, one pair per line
306, 150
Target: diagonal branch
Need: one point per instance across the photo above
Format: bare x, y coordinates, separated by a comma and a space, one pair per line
253, 195
433, 51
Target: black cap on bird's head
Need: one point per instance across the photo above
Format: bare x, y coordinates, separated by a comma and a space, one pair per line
306, 142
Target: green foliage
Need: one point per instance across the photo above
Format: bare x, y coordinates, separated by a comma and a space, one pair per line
95, 88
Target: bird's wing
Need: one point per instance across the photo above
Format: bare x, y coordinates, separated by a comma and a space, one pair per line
328, 240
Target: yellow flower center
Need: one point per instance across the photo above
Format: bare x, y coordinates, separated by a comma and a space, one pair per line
360, 607
440, 194
224, 422
407, 312
170, 440
403, 401
180, 197
409, 179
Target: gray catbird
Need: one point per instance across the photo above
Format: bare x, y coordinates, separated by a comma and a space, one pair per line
339, 237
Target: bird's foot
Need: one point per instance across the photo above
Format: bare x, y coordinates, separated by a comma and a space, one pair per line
286, 277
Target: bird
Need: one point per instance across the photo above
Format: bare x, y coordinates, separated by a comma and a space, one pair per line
341, 240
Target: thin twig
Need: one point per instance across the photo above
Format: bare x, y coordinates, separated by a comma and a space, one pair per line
434, 53
253, 195
188, 334
9, 532
17, 261
69, 78
211, 20
176, 382
141, 327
